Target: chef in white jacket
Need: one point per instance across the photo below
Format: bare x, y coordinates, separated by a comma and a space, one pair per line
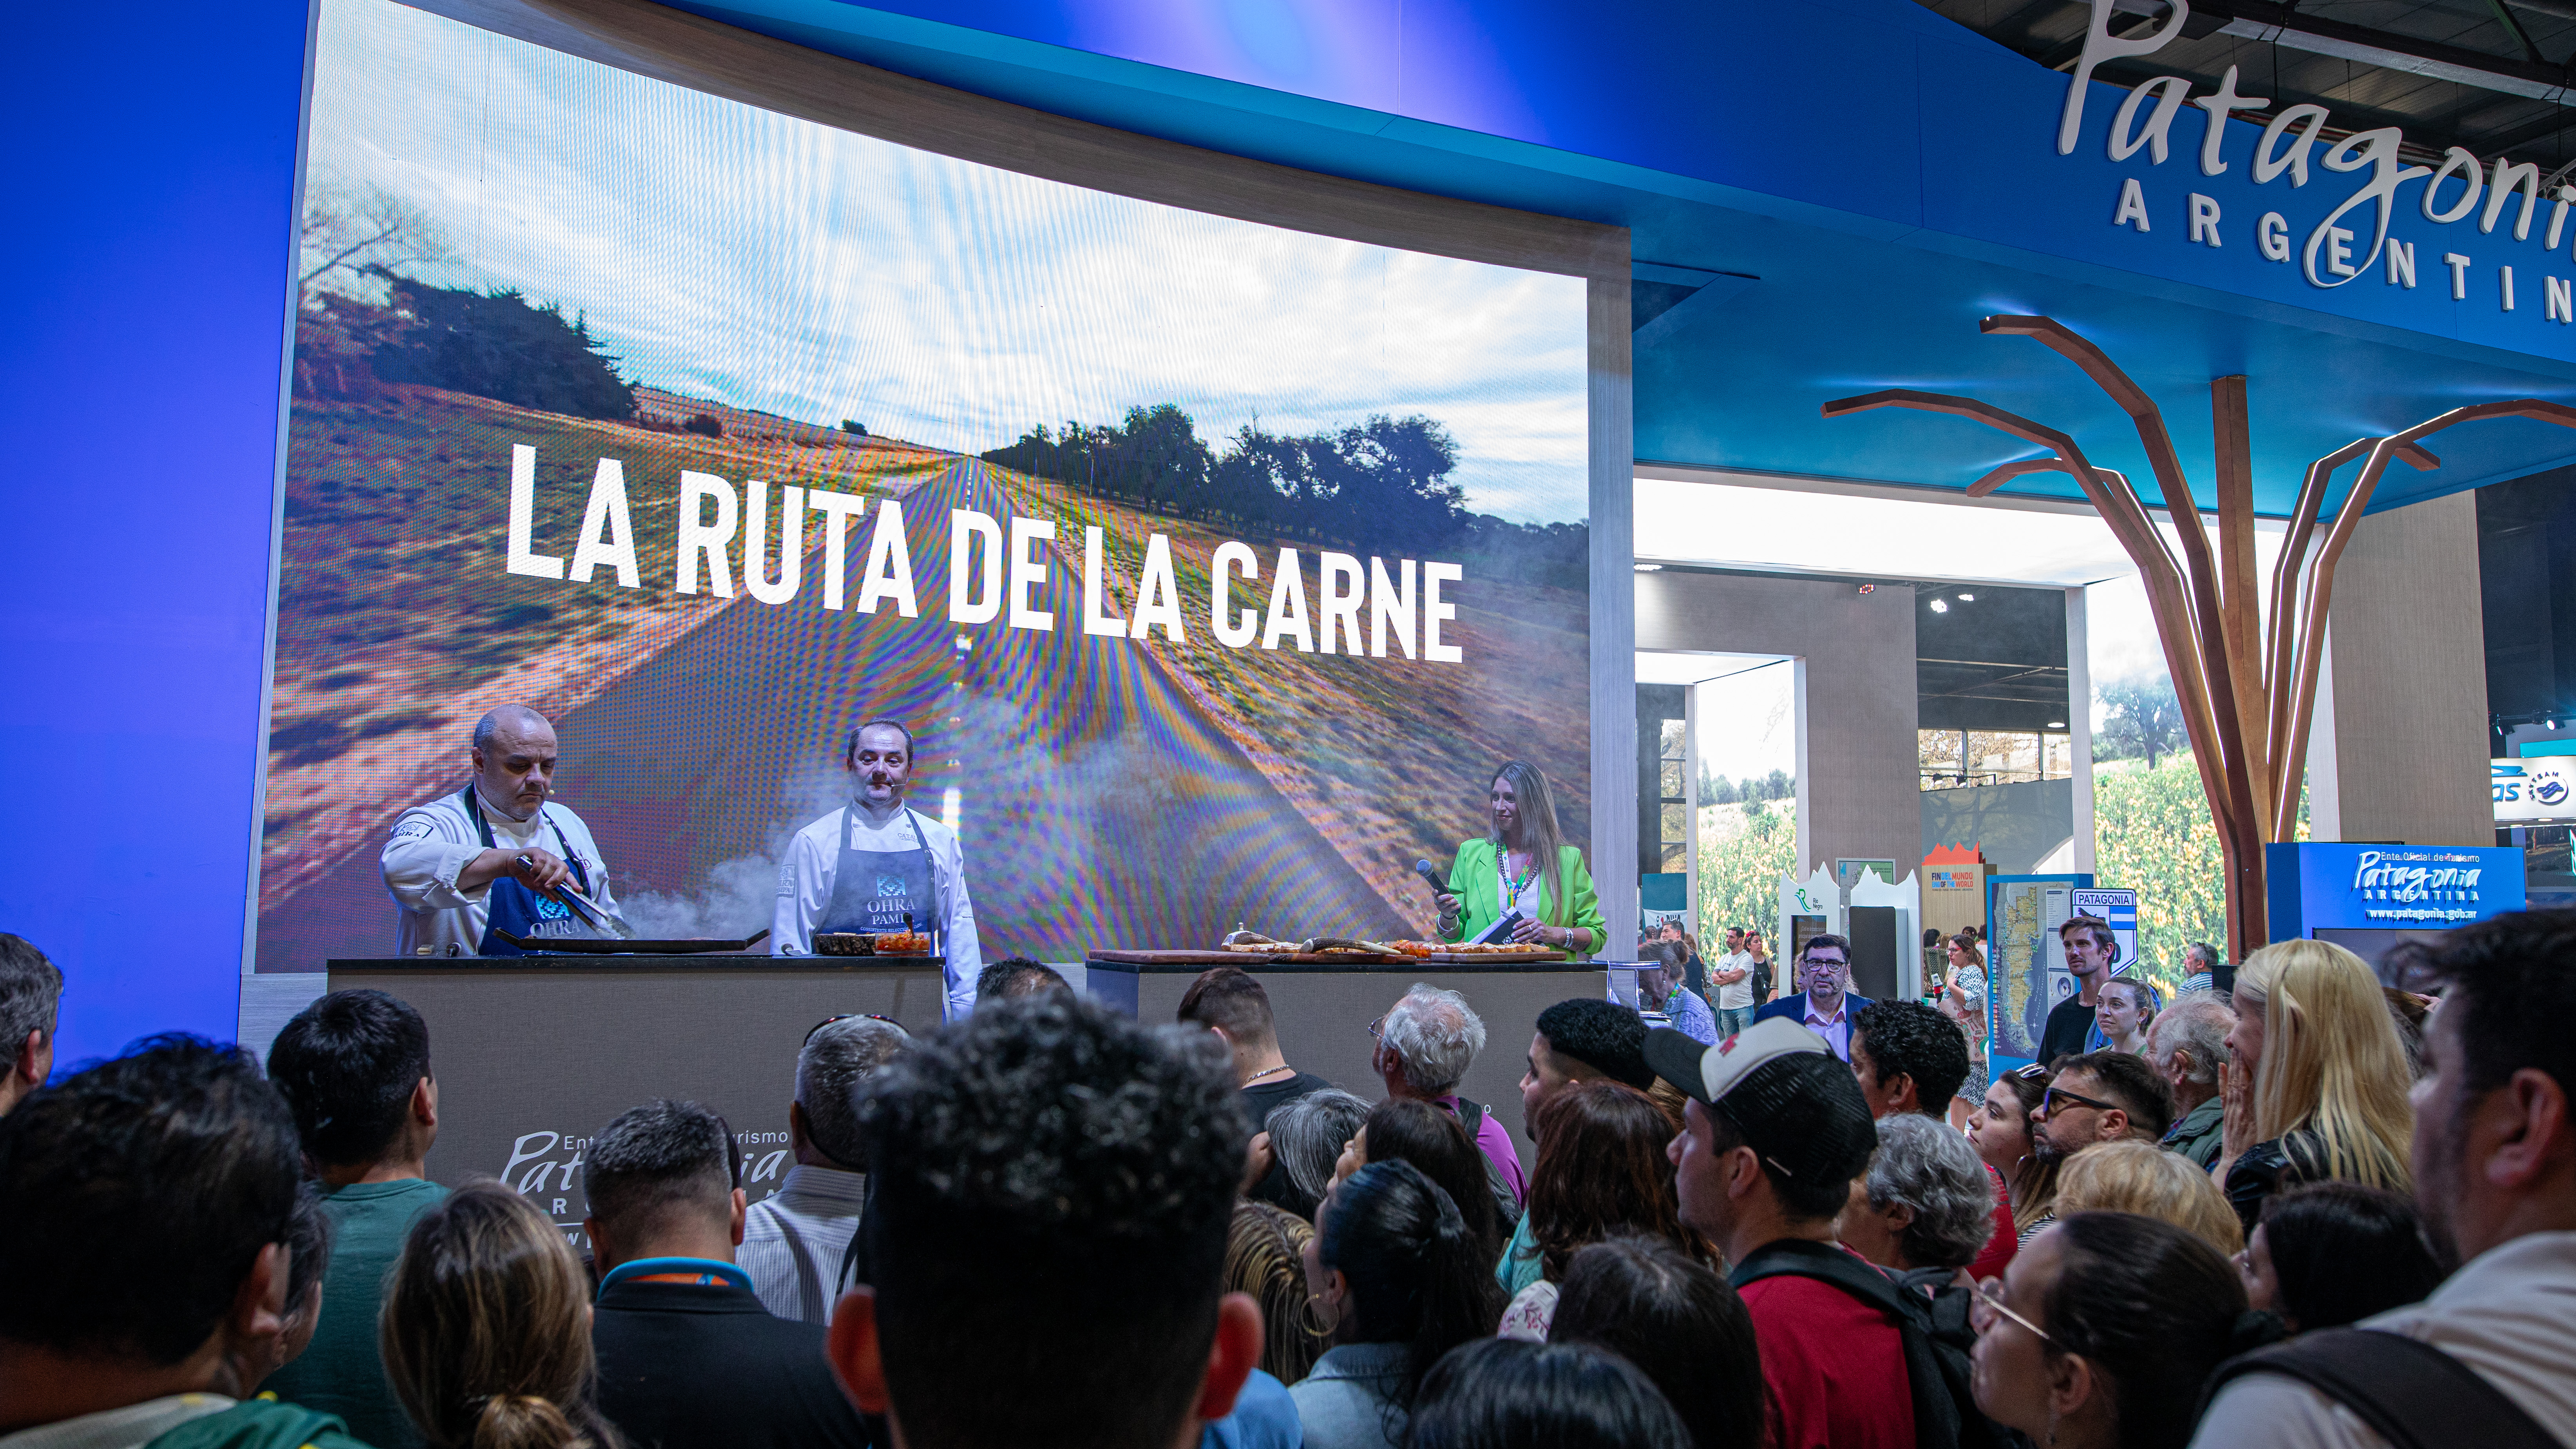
453, 864
876, 862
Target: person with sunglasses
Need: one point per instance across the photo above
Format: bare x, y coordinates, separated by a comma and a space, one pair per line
2102, 1331
795, 1240
687, 1354
2104, 1096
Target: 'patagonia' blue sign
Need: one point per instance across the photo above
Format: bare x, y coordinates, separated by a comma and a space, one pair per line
2388, 887
2276, 205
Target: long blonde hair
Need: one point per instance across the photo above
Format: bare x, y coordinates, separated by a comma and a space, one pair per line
2332, 1065
1540, 834
1265, 1256
2140, 1177
485, 1333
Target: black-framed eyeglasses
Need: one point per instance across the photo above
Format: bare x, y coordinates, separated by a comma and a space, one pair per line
851, 1016
1988, 1306
2048, 1101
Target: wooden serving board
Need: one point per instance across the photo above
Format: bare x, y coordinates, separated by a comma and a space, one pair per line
1500, 957
1250, 958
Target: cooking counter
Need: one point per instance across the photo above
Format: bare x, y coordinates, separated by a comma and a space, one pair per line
533, 1054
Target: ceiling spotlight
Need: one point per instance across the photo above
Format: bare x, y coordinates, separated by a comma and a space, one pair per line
2057, 724
1940, 606
1647, 568
1967, 598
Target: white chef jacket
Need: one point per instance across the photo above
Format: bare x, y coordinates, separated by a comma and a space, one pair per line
432, 842
814, 858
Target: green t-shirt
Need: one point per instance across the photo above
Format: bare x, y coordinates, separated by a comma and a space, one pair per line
1519, 1266
260, 1423
340, 1372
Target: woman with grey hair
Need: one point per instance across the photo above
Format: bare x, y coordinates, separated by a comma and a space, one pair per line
1424, 1047
1925, 1207
1306, 1136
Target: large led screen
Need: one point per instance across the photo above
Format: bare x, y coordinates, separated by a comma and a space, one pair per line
1215, 564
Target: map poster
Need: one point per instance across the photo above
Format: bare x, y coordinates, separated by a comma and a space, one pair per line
2025, 962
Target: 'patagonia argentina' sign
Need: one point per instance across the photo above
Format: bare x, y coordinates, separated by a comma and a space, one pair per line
2388, 887
2495, 233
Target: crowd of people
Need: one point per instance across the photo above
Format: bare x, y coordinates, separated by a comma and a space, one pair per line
2298, 1213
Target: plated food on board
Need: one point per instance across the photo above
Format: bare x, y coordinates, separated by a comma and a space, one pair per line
1253, 943
890, 943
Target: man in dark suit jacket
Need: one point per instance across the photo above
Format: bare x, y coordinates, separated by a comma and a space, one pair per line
687, 1356
1827, 1006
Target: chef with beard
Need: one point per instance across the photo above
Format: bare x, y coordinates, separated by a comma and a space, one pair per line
490, 857
877, 865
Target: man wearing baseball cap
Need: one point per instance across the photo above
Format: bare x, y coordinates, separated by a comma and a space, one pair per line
1777, 1129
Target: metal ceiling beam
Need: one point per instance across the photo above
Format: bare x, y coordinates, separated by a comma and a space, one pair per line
2524, 135
2280, 25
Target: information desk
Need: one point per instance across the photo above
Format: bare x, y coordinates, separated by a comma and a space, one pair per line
533, 1054
1324, 1013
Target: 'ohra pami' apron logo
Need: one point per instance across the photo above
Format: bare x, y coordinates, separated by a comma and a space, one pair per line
890, 885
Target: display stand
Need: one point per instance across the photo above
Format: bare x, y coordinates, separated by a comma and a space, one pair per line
1813, 907
2370, 898
1904, 898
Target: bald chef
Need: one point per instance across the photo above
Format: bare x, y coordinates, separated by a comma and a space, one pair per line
488, 857
869, 865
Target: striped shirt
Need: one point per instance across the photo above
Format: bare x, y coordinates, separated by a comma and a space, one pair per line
793, 1241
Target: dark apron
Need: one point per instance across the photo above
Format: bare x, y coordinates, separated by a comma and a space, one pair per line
876, 891
514, 908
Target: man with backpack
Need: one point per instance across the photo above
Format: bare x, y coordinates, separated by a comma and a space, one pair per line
1776, 1130
2490, 1358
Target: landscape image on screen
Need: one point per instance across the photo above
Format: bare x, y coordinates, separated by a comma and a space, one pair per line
674, 418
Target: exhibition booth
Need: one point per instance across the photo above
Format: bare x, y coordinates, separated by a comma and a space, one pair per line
1218, 438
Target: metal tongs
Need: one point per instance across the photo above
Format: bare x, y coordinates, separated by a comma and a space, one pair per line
584, 907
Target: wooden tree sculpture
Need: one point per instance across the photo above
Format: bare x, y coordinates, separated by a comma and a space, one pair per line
2248, 691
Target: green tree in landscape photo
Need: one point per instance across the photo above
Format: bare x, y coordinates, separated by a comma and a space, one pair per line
1384, 482
2144, 720
1744, 849
500, 345
2154, 834
1716, 789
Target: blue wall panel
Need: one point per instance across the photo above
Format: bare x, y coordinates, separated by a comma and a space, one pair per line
148, 260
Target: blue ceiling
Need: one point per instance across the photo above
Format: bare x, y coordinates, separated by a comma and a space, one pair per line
1871, 271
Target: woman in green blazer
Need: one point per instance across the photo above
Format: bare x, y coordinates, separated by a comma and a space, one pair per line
1522, 863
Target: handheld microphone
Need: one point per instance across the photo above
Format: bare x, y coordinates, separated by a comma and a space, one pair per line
1431, 873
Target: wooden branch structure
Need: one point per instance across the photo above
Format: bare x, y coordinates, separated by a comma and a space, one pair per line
2244, 668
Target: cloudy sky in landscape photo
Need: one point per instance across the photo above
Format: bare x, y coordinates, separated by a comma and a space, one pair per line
772, 263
